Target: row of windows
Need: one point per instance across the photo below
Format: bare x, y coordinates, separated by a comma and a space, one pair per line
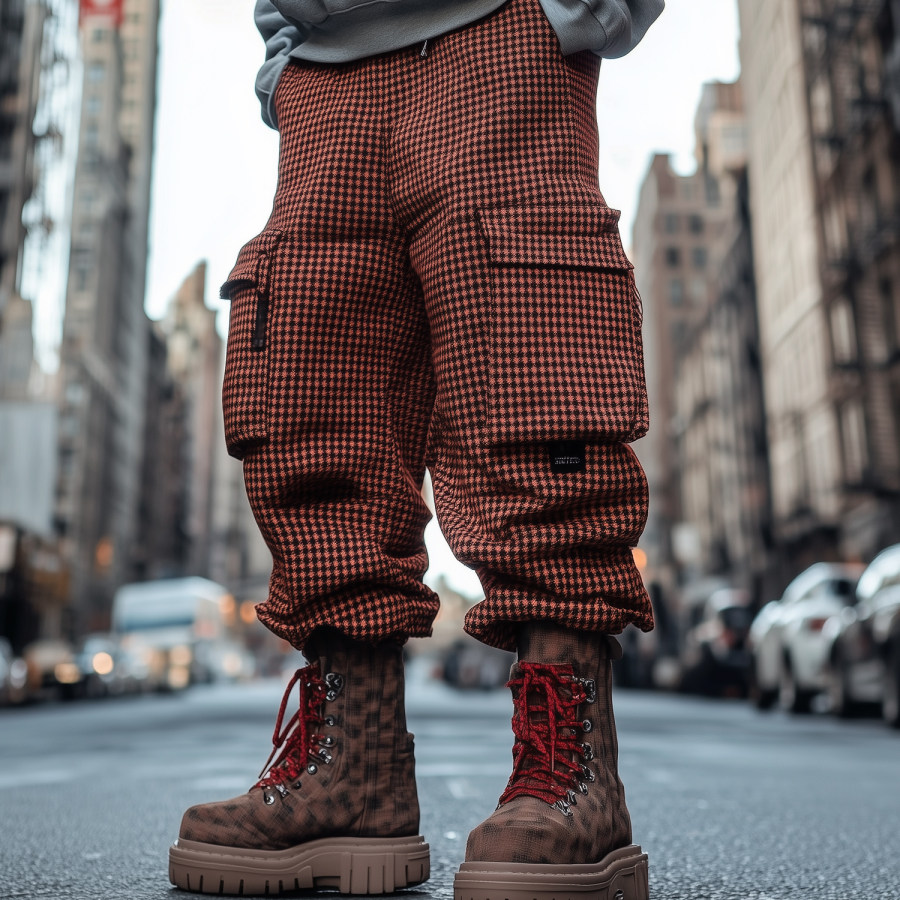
672, 223
698, 257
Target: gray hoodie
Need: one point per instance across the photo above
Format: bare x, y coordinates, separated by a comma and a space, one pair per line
337, 31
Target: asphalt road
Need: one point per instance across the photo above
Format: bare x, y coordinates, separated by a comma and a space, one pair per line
728, 802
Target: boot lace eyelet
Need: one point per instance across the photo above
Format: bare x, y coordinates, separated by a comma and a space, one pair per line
268, 798
296, 785
300, 739
563, 807
548, 754
335, 684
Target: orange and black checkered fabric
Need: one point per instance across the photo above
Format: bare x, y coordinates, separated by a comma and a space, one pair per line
441, 284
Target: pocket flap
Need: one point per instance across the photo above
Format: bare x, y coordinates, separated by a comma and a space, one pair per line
251, 262
571, 235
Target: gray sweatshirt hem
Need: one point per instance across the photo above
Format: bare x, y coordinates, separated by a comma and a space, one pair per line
345, 31
388, 26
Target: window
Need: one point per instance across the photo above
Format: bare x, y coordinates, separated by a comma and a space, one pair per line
891, 307
698, 257
699, 290
96, 72
673, 257
853, 427
676, 292
92, 105
670, 222
843, 333
695, 224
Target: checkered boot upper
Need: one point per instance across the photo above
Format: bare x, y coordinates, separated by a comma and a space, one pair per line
564, 803
342, 766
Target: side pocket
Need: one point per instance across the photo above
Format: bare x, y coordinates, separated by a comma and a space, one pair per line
565, 353
245, 389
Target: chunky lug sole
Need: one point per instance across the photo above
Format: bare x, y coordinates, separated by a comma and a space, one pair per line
352, 865
620, 875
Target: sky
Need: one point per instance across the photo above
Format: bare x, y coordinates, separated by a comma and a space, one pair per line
215, 162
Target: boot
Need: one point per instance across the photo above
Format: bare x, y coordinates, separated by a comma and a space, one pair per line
336, 805
561, 829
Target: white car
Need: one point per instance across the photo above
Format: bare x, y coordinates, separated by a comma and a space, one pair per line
789, 653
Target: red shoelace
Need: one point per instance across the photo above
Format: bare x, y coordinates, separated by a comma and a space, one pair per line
546, 727
299, 736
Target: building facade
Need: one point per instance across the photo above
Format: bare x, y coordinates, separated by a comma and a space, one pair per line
850, 58
677, 220
822, 80
104, 353
21, 40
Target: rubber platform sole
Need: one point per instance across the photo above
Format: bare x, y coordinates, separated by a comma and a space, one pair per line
621, 875
351, 865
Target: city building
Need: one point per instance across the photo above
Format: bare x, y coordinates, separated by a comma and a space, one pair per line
21, 40
195, 518
677, 221
802, 428
705, 455
851, 59
195, 366
105, 345
822, 82
720, 436
162, 537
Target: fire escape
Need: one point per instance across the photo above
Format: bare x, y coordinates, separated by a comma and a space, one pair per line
852, 65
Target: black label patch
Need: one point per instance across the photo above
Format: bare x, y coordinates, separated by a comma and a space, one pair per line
566, 456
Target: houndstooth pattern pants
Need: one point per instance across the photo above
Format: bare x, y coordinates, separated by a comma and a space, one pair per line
441, 284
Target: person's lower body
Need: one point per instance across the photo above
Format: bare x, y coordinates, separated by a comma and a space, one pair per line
440, 285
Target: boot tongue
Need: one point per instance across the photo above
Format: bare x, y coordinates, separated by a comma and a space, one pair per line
545, 723
550, 644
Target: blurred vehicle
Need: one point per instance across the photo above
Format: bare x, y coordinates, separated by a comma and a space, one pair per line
469, 665
51, 669
650, 659
714, 659
864, 653
13, 674
789, 652
176, 627
106, 670
230, 660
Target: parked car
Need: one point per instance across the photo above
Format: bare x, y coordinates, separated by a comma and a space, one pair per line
788, 649
12, 675
106, 669
714, 657
51, 669
864, 652
470, 665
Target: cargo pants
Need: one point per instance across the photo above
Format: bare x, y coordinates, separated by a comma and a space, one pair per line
441, 284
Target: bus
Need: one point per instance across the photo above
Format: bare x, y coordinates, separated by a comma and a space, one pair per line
178, 627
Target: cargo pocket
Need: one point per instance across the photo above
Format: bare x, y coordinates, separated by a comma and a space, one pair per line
245, 389
565, 354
